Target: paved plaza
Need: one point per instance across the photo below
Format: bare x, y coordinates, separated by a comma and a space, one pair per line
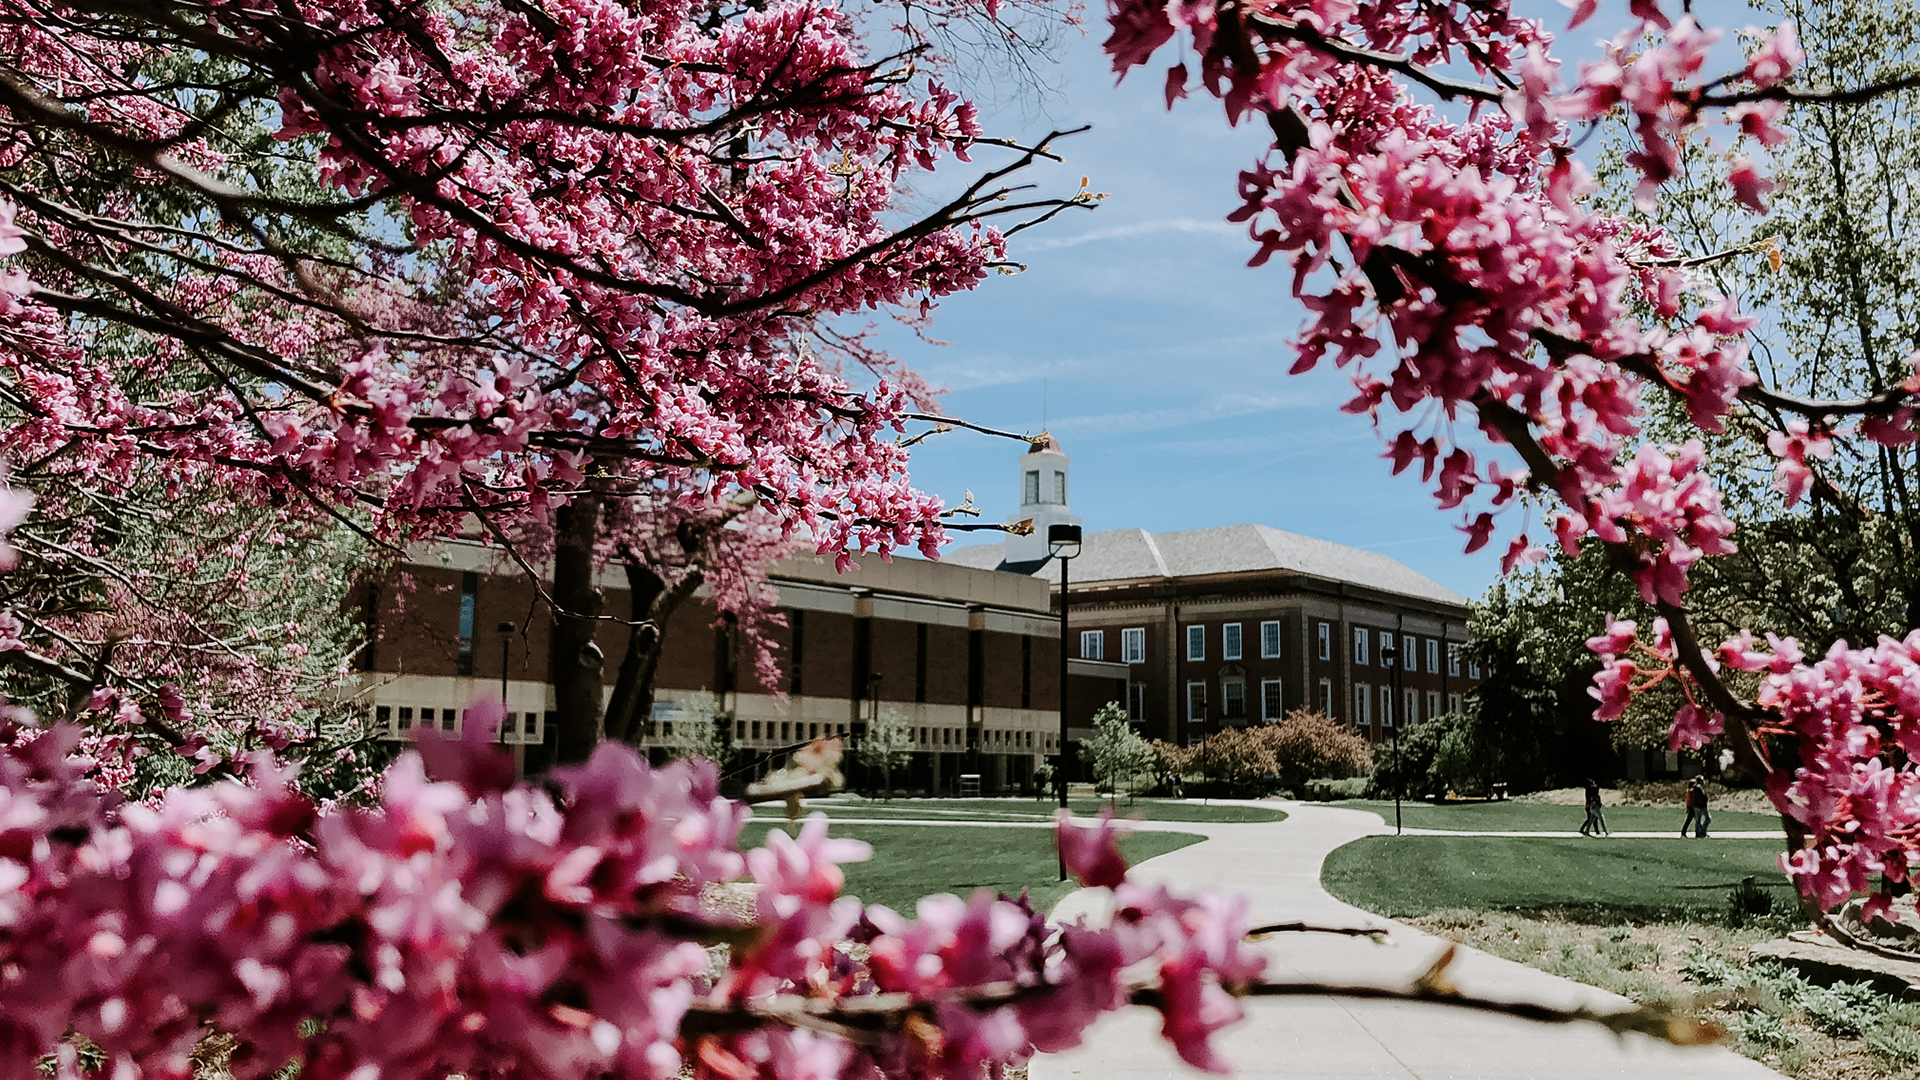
1277, 865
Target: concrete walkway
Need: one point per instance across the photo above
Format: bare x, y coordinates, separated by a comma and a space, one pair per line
1277, 865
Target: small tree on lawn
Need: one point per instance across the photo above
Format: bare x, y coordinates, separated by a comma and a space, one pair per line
887, 745
701, 729
1116, 753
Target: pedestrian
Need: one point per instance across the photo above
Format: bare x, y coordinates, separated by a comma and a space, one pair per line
1696, 809
1596, 821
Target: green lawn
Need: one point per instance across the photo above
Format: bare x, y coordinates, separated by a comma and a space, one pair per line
911, 861
1408, 876
1023, 809
1537, 817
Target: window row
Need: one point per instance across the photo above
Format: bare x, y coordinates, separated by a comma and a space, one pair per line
1365, 715
1412, 649
399, 721
1233, 700
1233, 641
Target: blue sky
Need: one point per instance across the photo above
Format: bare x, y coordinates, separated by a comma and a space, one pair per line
1161, 355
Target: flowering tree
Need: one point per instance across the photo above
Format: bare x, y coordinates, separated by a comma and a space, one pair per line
412, 266
1450, 263
466, 925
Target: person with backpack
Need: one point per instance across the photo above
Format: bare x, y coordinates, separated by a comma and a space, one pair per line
1596, 824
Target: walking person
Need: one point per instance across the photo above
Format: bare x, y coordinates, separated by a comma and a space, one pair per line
1596, 824
1696, 808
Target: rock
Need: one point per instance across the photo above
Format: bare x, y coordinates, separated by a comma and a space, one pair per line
1825, 962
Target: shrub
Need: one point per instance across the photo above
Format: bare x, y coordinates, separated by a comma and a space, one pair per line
1332, 790
1309, 744
1238, 758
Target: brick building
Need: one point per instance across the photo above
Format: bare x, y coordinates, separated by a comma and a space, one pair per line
1239, 624
969, 657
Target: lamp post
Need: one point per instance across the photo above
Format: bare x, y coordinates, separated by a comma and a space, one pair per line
1063, 543
1388, 655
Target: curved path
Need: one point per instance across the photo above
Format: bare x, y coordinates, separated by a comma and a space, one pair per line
1277, 865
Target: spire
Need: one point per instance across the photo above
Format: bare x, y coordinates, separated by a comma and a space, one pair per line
1043, 497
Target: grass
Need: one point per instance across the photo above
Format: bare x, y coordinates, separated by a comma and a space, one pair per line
912, 861
1771, 1014
1402, 876
1027, 809
1540, 817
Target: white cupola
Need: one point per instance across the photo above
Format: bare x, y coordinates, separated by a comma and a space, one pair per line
1043, 499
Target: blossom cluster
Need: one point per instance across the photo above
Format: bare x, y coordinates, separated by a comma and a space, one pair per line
468, 924
1847, 728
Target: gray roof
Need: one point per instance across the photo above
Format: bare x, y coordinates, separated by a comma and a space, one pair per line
1128, 554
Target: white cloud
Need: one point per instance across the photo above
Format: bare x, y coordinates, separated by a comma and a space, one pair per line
1190, 226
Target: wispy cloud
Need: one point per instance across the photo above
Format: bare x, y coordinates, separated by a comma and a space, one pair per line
1190, 226
1219, 407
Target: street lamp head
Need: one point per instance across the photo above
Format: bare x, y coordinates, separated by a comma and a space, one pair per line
1387, 654
1063, 541
506, 628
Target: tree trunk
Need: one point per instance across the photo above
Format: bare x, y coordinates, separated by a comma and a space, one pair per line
576, 662
631, 706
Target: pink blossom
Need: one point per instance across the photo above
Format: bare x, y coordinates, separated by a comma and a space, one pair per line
1749, 187
1694, 727
1092, 856
1793, 447
1778, 56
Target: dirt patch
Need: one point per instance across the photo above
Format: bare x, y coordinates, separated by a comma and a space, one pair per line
1771, 1015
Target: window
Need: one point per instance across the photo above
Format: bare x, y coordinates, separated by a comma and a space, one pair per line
1093, 645
1026, 671
1326, 641
1326, 695
1453, 703
406, 718
1433, 704
1196, 643
1030, 494
1386, 706
1410, 653
1196, 701
797, 653
1270, 705
1269, 640
920, 662
1360, 638
1233, 699
1060, 488
1230, 641
469, 588
1433, 657
1411, 706
1133, 645
756, 729
1386, 644
1362, 704
1137, 702
1453, 660
448, 718
1473, 669
382, 719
